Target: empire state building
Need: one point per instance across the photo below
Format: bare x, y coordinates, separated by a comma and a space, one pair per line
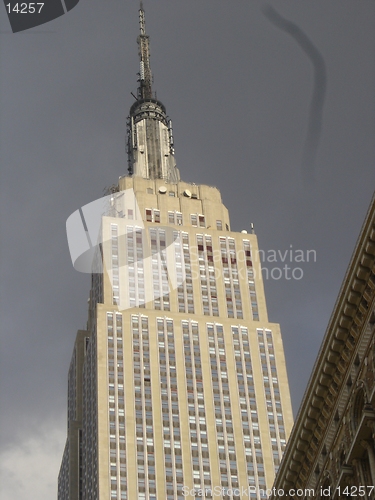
178, 386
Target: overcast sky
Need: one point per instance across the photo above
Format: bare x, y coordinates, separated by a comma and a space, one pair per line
238, 90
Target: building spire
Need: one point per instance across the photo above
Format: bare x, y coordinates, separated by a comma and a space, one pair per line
145, 75
150, 136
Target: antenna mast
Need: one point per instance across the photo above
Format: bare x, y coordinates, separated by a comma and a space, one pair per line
150, 136
145, 75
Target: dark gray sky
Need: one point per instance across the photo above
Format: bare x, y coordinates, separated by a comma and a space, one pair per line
238, 90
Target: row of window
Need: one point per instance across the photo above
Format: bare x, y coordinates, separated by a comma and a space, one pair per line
170, 193
175, 217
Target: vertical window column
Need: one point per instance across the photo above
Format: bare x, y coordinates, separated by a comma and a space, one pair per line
180, 274
249, 413
90, 485
159, 269
222, 405
143, 409
136, 284
207, 275
116, 408
196, 407
97, 279
230, 274
272, 393
170, 409
250, 280
121, 451
188, 273
183, 272
115, 265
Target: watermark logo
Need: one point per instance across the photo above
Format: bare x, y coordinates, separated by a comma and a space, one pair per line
284, 264
247, 492
25, 15
94, 249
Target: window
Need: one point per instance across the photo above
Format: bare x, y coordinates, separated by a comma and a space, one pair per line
219, 225
195, 218
152, 215
175, 217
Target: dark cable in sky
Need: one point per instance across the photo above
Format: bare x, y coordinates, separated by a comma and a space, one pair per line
317, 99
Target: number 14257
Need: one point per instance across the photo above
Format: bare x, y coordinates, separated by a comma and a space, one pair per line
25, 8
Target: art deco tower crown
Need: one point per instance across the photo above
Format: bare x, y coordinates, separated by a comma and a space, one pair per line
150, 137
